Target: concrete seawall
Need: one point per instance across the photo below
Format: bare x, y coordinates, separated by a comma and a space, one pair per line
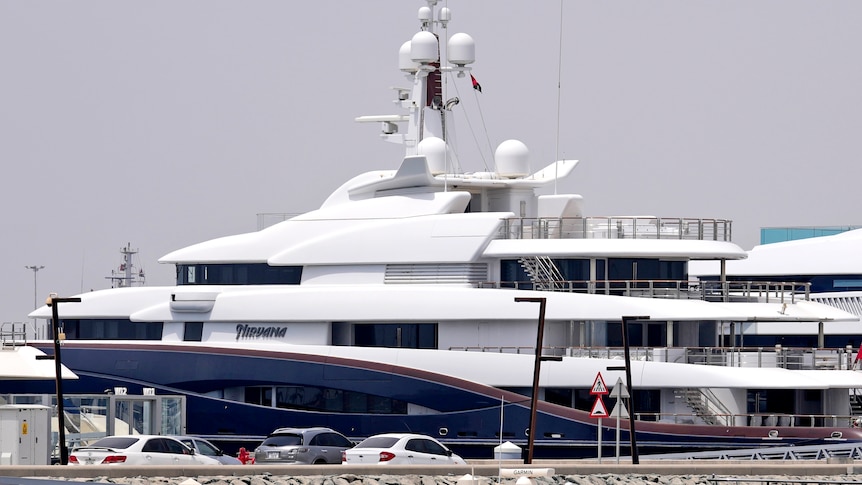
809, 468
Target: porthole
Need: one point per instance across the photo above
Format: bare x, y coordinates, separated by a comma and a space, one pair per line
443, 431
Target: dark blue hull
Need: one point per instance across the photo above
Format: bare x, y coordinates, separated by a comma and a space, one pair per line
467, 416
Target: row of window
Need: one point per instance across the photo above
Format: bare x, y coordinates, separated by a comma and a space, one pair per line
237, 274
612, 269
312, 398
111, 329
510, 270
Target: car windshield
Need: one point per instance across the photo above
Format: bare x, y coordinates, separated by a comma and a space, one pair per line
378, 442
115, 442
283, 440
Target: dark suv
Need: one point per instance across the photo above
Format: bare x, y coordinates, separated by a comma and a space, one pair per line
310, 446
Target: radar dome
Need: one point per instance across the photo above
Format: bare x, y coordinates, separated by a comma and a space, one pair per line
434, 150
423, 47
462, 49
512, 159
405, 63
424, 14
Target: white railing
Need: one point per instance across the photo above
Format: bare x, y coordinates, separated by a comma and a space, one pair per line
603, 227
754, 291
798, 358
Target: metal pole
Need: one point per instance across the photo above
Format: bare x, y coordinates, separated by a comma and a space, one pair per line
35, 270
54, 303
633, 438
531, 437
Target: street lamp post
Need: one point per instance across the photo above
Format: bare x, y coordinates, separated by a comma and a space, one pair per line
534, 399
54, 303
35, 270
633, 440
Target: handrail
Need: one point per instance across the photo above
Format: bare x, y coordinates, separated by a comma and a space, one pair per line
13, 334
766, 291
616, 227
802, 358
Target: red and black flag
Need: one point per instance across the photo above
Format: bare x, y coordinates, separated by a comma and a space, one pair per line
476, 85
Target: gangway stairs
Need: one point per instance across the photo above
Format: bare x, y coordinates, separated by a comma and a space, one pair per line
843, 449
543, 272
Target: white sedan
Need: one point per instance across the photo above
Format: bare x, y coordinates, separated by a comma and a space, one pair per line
138, 450
400, 449
205, 448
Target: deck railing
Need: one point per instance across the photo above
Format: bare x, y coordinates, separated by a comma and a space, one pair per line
610, 227
764, 291
766, 420
797, 358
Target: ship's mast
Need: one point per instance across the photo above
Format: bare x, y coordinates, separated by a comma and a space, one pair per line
425, 102
126, 275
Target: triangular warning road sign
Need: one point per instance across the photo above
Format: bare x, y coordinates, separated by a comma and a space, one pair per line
620, 410
599, 409
620, 390
599, 387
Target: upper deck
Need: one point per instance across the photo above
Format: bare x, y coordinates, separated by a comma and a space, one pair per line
617, 227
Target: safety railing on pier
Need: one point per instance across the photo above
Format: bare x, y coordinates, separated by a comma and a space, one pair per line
765, 420
616, 228
838, 449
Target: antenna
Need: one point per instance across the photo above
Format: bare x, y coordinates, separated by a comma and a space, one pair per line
559, 96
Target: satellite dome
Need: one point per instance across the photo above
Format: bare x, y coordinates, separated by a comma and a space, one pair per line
423, 47
424, 14
405, 63
462, 49
434, 150
512, 159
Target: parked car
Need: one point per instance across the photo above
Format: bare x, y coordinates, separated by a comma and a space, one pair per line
205, 448
138, 450
401, 449
302, 446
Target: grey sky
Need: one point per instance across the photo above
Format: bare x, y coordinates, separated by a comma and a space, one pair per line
166, 123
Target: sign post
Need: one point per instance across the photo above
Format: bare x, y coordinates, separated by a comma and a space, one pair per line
620, 392
599, 410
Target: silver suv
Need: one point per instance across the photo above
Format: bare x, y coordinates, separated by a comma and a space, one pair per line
310, 446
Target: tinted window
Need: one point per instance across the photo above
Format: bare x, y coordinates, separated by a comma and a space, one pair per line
415, 445
378, 442
238, 274
154, 445
193, 331
422, 445
331, 439
111, 329
336, 439
434, 448
115, 442
175, 447
283, 440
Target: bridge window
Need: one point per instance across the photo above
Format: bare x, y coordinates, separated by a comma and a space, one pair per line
238, 274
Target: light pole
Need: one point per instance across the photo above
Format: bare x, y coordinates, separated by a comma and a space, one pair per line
632, 439
35, 270
54, 302
534, 399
